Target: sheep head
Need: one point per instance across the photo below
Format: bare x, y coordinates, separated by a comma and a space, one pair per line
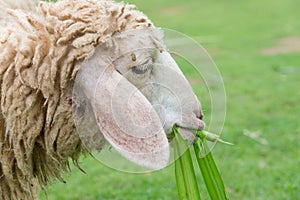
138, 93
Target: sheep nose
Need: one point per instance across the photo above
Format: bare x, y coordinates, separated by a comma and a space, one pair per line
198, 112
199, 115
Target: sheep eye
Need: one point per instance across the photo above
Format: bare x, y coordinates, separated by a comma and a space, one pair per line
143, 68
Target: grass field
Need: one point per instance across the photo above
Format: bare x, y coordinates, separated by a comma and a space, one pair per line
263, 96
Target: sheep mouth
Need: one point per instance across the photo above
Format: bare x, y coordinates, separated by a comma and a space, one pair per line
193, 121
197, 126
189, 131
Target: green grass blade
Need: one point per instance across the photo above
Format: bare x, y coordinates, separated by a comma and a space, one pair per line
210, 172
180, 182
189, 176
187, 170
216, 174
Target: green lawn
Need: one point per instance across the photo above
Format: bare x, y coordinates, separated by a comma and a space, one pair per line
263, 96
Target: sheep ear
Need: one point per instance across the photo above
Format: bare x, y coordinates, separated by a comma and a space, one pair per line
129, 122
125, 117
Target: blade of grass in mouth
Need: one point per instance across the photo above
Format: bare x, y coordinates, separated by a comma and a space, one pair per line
184, 170
209, 170
186, 181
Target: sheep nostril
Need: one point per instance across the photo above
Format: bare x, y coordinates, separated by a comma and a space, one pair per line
200, 115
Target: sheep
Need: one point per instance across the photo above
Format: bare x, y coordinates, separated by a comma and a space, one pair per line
62, 66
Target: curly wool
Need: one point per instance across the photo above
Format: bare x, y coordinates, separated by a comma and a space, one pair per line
40, 54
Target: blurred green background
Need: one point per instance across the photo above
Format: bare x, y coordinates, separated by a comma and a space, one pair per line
256, 46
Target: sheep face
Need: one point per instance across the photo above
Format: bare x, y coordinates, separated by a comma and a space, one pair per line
137, 94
